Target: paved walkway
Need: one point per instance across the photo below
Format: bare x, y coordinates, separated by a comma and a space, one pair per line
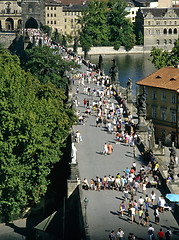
103, 206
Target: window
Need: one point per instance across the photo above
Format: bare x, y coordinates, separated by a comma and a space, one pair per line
75, 13
173, 98
173, 116
133, 18
51, 22
65, 13
148, 22
71, 20
163, 114
175, 22
65, 20
170, 41
68, 13
55, 15
47, 22
65, 26
54, 22
47, 8
165, 31
48, 15
165, 41
163, 133
51, 15
54, 8
157, 23
51, 8
164, 96
165, 22
157, 32
149, 32
170, 22
154, 112
132, 12
157, 42
175, 31
170, 31
154, 95
71, 13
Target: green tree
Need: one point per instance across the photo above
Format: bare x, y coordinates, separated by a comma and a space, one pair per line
94, 30
121, 29
47, 66
34, 123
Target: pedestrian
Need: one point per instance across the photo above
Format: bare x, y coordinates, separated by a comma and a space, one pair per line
112, 235
140, 215
122, 208
160, 234
129, 208
152, 197
132, 214
147, 202
120, 234
131, 236
84, 101
141, 201
156, 214
125, 194
151, 232
105, 151
147, 218
110, 148
104, 182
168, 234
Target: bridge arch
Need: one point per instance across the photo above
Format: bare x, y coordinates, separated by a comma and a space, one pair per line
9, 24
31, 23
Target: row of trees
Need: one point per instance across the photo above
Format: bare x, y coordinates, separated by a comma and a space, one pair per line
105, 24
34, 123
161, 58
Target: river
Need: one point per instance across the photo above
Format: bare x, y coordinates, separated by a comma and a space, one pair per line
134, 66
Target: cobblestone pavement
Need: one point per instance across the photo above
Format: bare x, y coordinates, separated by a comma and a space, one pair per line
103, 207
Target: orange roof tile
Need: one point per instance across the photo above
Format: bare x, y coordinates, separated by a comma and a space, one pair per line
166, 77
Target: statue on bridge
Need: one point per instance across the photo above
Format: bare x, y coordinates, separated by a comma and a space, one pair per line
173, 165
114, 72
141, 104
100, 63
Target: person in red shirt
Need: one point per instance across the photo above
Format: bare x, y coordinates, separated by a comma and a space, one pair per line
160, 234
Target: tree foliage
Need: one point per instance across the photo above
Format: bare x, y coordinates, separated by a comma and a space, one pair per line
161, 58
34, 123
105, 24
94, 28
47, 66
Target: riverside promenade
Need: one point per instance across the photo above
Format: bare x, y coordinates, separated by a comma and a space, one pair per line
103, 207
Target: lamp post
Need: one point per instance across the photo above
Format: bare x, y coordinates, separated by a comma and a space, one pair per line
85, 205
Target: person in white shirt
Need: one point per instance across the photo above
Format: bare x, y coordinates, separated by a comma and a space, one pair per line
132, 213
141, 201
120, 234
150, 232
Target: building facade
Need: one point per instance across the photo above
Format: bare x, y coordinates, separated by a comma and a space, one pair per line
162, 99
161, 27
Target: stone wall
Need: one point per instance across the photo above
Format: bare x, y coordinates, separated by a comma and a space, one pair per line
111, 51
6, 39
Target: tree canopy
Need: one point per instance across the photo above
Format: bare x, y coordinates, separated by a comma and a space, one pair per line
47, 65
34, 122
105, 24
161, 58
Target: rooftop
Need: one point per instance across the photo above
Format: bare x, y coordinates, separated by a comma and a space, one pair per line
166, 77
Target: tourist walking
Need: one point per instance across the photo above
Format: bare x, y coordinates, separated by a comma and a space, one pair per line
110, 148
156, 214
168, 234
140, 215
152, 197
120, 234
105, 151
112, 235
122, 208
151, 232
160, 234
147, 218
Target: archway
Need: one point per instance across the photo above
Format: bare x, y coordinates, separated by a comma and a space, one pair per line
9, 24
31, 23
165, 31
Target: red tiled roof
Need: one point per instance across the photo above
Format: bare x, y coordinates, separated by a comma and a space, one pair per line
166, 77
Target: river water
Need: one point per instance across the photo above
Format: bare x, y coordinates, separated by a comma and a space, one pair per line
134, 66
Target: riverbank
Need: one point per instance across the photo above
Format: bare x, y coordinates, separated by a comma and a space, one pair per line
111, 51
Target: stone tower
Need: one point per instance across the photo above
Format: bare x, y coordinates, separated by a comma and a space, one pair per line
33, 13
165, 3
